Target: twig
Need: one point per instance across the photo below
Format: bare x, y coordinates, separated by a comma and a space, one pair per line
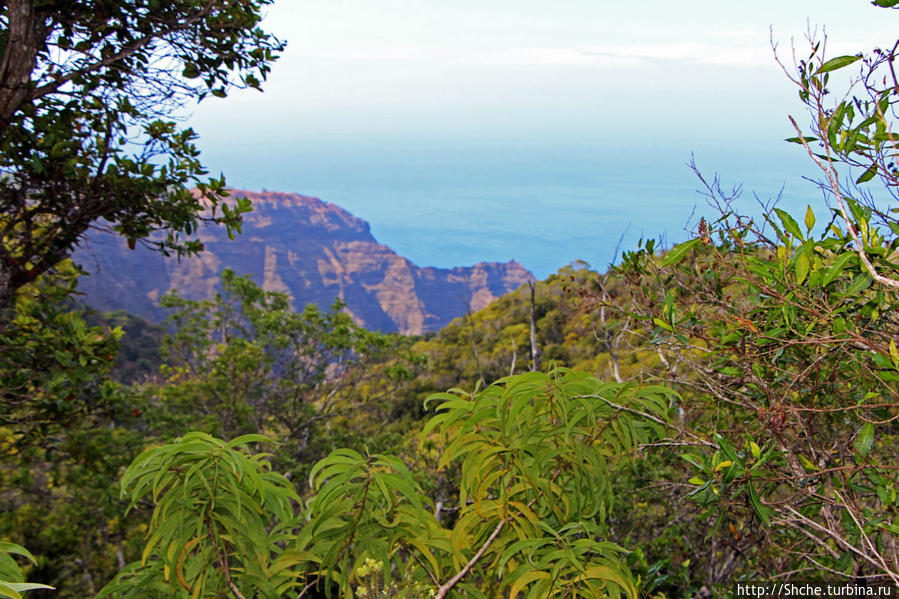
446, 588
832, 177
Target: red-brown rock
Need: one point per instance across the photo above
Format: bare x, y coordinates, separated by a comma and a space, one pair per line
310, 249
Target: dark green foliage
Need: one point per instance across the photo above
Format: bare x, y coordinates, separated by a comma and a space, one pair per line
53, 364
247, 362
87, 94
534, 450
140, 345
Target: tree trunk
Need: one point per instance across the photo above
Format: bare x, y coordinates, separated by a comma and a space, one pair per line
18, 60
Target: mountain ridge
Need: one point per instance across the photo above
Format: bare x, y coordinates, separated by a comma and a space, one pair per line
310, 249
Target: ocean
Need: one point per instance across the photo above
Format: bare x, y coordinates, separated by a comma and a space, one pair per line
454, 204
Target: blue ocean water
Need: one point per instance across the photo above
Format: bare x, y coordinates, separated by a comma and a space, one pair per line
544, 206
543, 222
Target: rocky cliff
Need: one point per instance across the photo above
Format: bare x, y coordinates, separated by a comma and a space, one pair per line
310, 249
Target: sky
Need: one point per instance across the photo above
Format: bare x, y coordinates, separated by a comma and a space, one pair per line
434, 95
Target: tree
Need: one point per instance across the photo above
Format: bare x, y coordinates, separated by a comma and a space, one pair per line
787, 334
87, 89
536, 452
246, 362
66, 431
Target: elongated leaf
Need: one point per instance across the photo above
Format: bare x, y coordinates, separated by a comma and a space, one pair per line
868, 174
789, 223
762, 511
836, 268
7, 547
678, 252
244, 439
809, 218
838, 63
526, 579
864, 441
799, 140
802, 266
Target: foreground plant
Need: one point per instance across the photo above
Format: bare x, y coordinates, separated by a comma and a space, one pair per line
12, 582
533, 452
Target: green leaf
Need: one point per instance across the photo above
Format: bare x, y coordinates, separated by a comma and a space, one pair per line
7, 547
838, 63
836, 268
7, 591
678, 252
249, 438
762, 511
524, 580
789, 223
26, 586
868, 174
663, 324
799, 140
864, 440
802, 266
755, 449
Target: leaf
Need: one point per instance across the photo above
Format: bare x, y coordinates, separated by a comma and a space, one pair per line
799, 140
762, 511
7, 547
868, 174
894, 354
524, 580
802, 266
809, 218
7, 591
755, 449
249, 438
191, 71
864, 440
836, 268
838, 63
678, 252
663, 324
789, 223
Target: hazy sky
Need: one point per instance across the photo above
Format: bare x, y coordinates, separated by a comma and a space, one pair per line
390, 92
568, 67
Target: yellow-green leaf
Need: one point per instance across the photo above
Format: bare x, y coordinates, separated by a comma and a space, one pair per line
802, 266
864, 441
755, 449
723, 465
837, 63
524, 580
678, 252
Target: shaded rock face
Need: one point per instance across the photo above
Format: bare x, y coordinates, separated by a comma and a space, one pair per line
312, 250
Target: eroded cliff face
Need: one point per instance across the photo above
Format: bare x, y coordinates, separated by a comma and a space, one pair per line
312, 250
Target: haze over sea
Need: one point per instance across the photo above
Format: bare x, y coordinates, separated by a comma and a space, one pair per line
544, 207
530, 130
